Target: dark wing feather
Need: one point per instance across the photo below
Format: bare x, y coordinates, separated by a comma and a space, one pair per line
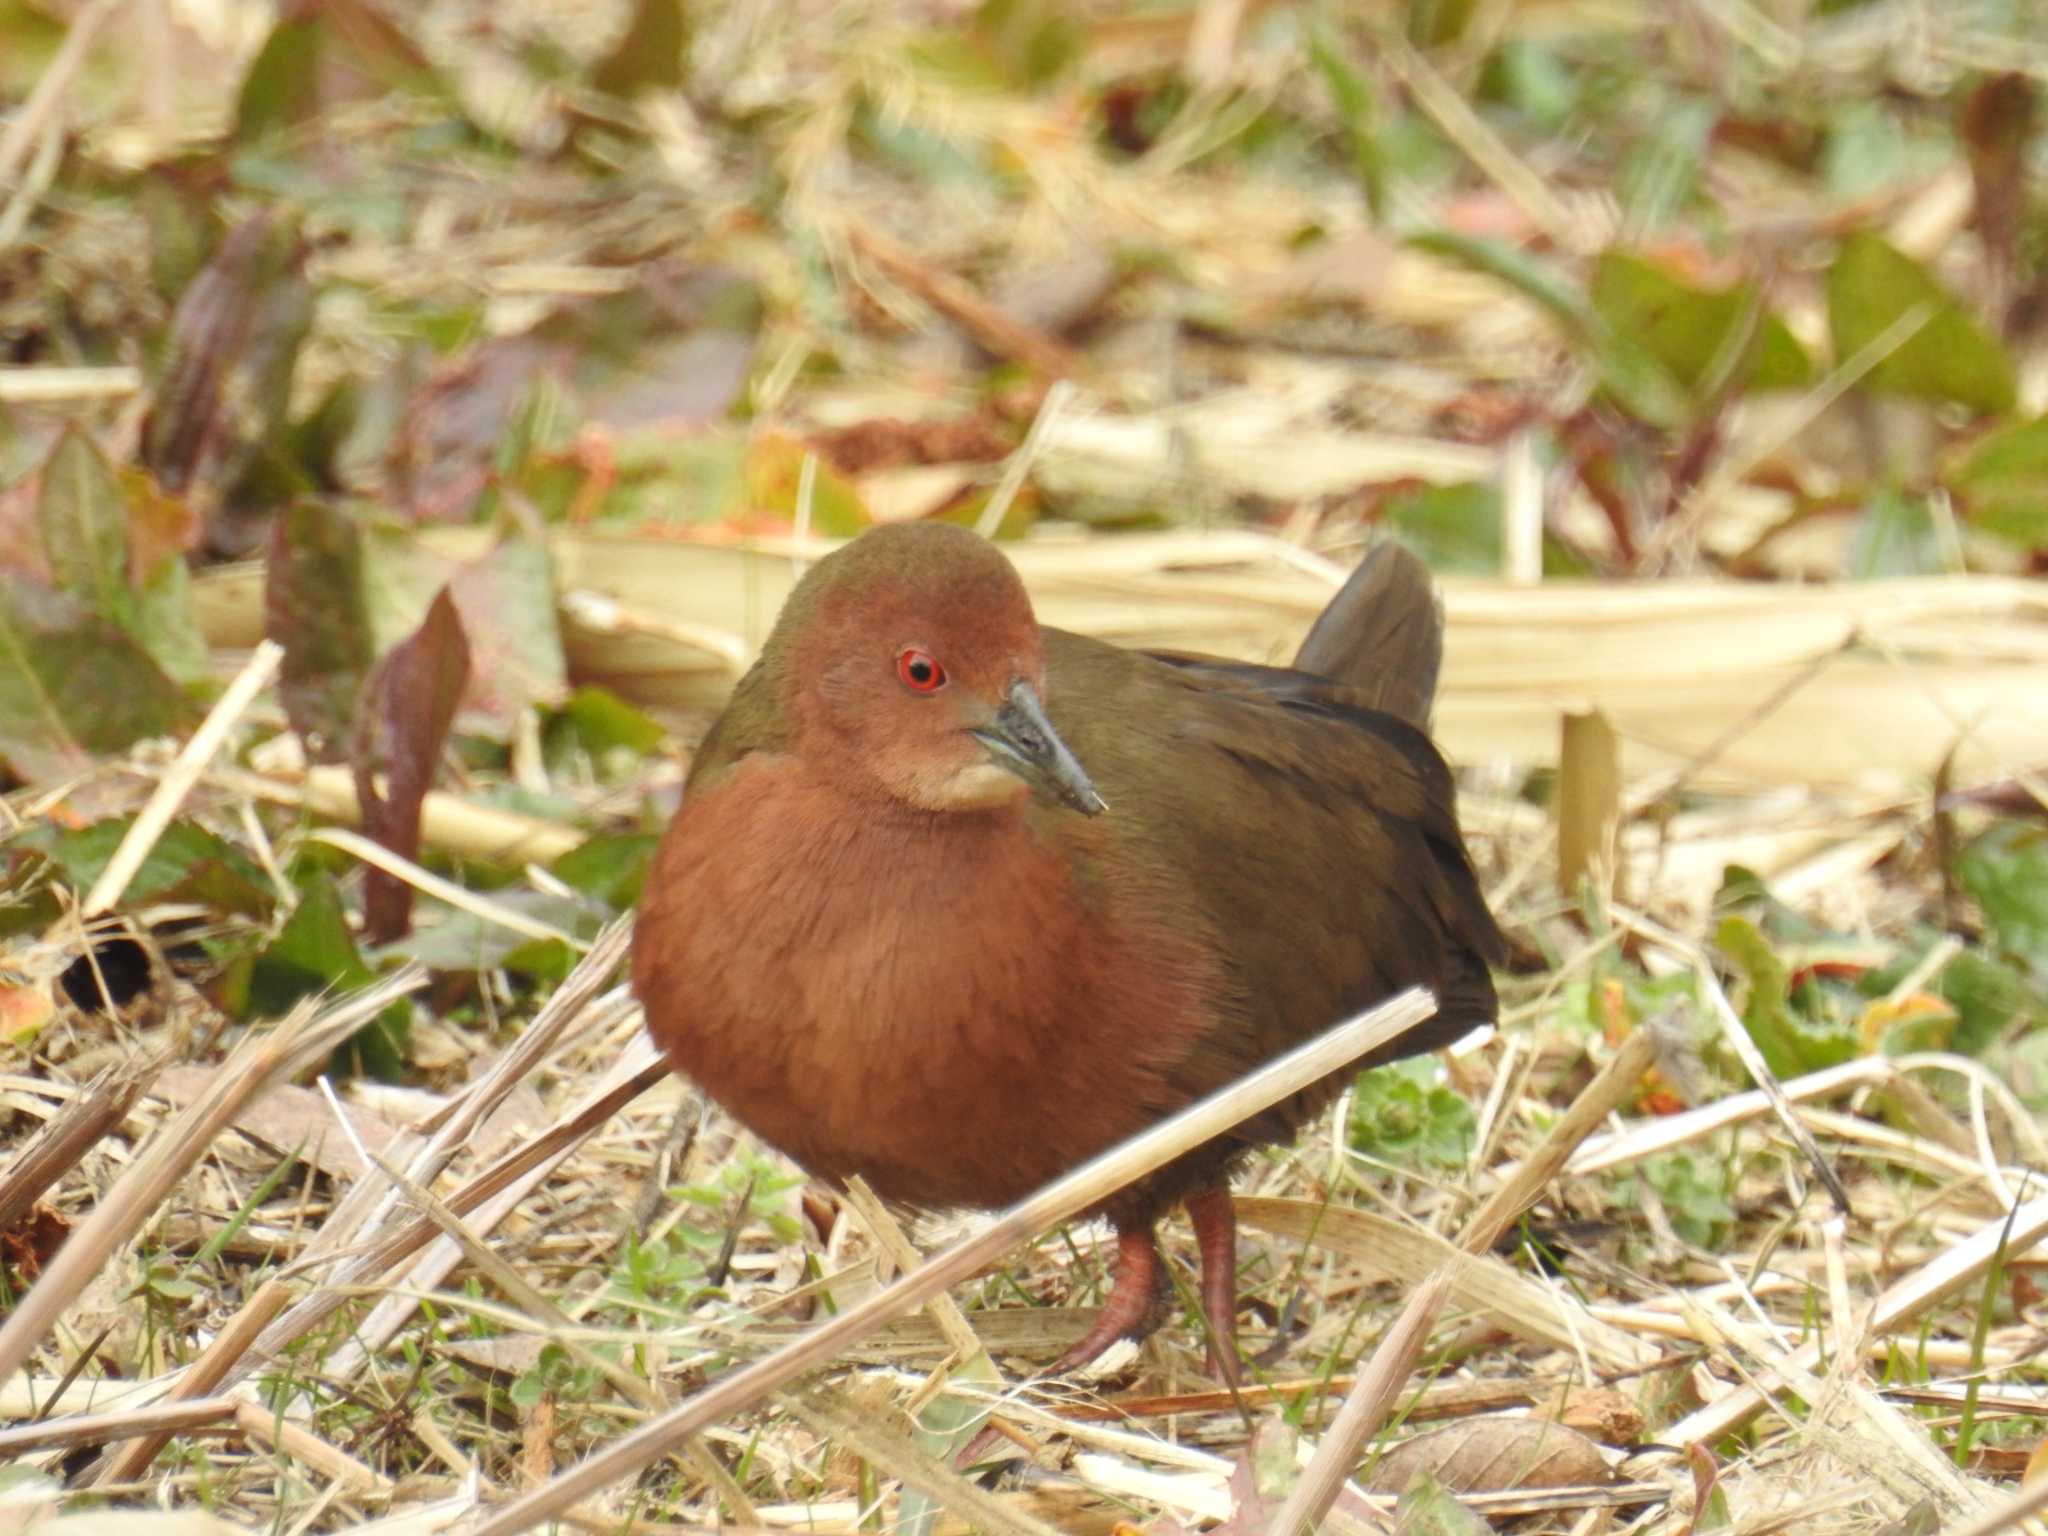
1235, 788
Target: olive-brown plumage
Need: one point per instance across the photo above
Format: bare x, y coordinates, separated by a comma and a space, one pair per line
954, 902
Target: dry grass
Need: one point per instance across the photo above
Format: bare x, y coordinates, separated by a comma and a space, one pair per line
352, 1306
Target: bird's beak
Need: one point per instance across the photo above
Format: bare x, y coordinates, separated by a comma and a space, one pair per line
1022, 740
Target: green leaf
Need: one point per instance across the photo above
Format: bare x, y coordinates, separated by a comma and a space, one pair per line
30, 36
1357, 108
1530, 77
599, 725
1457, 528
462, 941
1871, 287
1528, 275
1695, 1195
313, 952
1991, 1000
1789, 1045
73, 685
1690, 331
84, 521
611, 866
186, 863
2004, 482
1031, 41
1403, 1114
166, 625
945, 1426
2005, 871
282, 86
1629, 372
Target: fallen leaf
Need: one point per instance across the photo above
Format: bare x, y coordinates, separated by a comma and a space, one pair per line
1489, 1455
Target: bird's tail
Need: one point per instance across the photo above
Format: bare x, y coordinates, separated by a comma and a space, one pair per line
1382, 635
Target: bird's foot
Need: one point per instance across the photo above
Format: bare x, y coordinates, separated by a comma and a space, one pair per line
1215, 1219
1137, 1301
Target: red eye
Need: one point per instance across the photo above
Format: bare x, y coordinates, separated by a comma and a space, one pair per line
919, 672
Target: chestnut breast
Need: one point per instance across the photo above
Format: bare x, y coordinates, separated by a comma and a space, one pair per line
941, 1003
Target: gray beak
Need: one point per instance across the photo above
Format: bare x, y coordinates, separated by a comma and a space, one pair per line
1022, 740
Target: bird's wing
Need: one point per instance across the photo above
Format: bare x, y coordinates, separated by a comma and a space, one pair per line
1315, 840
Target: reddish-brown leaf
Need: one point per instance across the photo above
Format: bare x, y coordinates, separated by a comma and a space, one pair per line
225, 386
407, 708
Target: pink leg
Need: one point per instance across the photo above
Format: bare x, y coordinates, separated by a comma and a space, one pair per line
1215, 1219
1133, 1309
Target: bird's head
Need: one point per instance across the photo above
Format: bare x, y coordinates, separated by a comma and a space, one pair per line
910, 661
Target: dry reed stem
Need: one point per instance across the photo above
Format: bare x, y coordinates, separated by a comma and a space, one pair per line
177, 781
895, 1453
1926, 1287
62, 1140
2032, 1499
1364, 1411
1057, 1202
370, 1263
889, 1234
959, 302
377, 856
42, 385
170, 1417
127, 1462
447, 821
260, 1059
1650, 1137
639, 1069
29, 123
280, 1434
1402, 1251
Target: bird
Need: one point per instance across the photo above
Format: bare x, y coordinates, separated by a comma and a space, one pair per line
954, 901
